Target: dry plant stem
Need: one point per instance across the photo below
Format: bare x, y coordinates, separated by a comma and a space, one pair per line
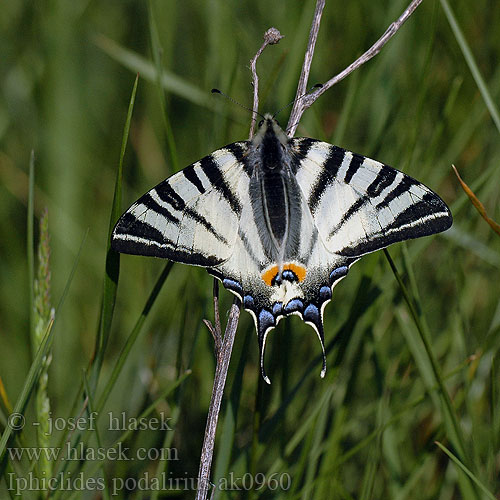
311, 45
302, 104
255, 82
271, 37
477, 204
224, 347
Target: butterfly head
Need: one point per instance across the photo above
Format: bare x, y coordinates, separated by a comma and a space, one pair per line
271, 142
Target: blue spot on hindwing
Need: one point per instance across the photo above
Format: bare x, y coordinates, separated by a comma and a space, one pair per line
290, 275
338, 273
266, 320
295, 305
287, 275
325, 293
277, 309
248, 302
312, 314
277, 280
233, 285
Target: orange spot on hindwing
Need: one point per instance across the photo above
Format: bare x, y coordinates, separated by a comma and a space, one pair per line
291, 272
268, 276
299, 271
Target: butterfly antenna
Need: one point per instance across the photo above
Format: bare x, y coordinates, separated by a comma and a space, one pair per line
234, 101
314, 87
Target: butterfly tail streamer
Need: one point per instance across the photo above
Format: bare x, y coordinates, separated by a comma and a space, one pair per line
265, 323
316, 321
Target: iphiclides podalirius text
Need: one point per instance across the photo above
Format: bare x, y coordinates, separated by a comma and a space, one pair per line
279, 221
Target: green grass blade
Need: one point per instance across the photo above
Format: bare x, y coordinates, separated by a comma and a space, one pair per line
162, 466
458, 438
112, 258
133, 336
461, 466
315, 455
495, 400
30, 245
90, 411
333, 447
123, 355
170, 81
430, 369
471, 62
36, 365
157, 50
410, 407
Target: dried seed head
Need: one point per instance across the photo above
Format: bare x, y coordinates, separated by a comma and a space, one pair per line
272, 36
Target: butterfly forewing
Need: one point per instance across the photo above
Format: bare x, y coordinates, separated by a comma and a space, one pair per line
360, 205
191, 217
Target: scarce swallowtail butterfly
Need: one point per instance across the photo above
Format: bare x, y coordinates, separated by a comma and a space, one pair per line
279, 221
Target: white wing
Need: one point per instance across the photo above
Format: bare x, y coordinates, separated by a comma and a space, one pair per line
360, 205
192, 216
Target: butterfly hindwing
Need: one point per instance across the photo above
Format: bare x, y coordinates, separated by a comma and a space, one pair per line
191, 217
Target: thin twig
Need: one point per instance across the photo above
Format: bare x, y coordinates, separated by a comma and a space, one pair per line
302, 104
222, 358
306, 66
271, 36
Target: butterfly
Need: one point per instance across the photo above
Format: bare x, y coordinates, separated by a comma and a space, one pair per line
279, 221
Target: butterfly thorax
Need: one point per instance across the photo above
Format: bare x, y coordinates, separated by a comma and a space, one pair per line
272, 147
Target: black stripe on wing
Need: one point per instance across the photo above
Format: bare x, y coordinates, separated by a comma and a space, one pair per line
428, 216
148, 201
330, 170
327, 176
129, 228
191, 175
134, 237
167, 194
351, 211
356, 162
170, 221
404, 185
300, 148
384, 179
239, 150
200, 219
212, 170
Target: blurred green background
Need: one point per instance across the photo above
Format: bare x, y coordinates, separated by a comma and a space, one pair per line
368, 429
